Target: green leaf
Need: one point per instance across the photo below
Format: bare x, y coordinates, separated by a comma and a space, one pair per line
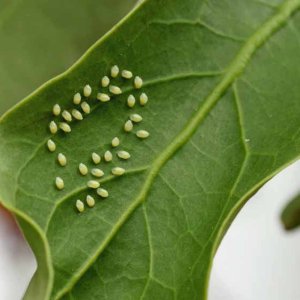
41, 39
223, 113
291, 214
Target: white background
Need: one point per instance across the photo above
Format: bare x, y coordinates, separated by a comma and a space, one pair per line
257, 259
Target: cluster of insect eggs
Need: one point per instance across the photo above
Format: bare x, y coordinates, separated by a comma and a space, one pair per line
97, 172
76, 114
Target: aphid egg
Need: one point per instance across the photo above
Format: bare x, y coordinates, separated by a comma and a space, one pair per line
105, 81
77, 114
67, 116
126, 74
97, 172
103, 97
143, 99
87, 91
123, 154
51, 146
56, 110
93, 184
142, 134
77, 98
62, 160
59, 183
108, 156
83, 169
80, 206
114, 72
65, 127
53, 127
128, 126
115, 90
138, 82
102, 193
90, 201
96, 158
118, 171
86, 107
115, 142
136, 118
131, 101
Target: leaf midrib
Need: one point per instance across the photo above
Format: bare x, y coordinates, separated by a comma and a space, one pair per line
237, 66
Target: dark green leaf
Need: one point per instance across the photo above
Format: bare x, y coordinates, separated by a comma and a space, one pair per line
40, 39
291, 214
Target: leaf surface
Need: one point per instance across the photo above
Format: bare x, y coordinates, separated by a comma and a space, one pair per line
223, 116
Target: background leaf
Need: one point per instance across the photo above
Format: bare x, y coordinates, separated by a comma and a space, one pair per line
291, 214
223, 120
41, 39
